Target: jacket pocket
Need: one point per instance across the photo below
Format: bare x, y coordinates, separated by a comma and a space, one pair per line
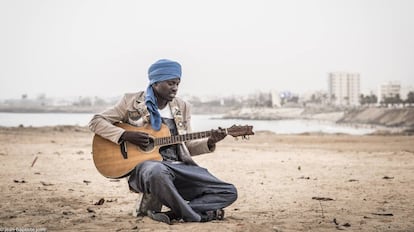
134, 118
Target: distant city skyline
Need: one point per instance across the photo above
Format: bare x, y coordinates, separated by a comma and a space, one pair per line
325, 89
104, 48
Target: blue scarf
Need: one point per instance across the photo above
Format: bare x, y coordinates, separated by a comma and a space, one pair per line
161, 70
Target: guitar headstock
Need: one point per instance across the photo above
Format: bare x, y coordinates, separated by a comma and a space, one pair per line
237, 131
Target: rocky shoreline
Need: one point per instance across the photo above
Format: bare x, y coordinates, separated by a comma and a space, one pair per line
384, 118
263, 113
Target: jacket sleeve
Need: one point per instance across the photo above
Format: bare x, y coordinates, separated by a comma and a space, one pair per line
102, 123
198, 147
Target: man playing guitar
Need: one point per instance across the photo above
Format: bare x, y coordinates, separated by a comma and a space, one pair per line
191, 192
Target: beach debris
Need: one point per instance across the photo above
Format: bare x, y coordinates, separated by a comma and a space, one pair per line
46, 184
100, 202
322, 198
352, 180
34, 161
52, 141
343, 227
384, 214
339, 226
90, 210
67, 213
115, 180
87, 182
80, 152
408, 151
19, 181
388, 177
304, 177
276, 229
299, 168
320, 204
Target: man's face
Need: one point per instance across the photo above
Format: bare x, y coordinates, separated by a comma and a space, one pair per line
167, 89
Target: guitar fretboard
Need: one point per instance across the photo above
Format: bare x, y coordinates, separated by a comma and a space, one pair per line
181, 138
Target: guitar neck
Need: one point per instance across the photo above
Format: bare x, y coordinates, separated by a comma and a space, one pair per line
162, 141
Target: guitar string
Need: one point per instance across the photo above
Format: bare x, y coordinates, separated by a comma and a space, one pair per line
181, 138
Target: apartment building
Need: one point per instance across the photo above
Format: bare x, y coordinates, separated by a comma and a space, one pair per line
344, 88
389, 90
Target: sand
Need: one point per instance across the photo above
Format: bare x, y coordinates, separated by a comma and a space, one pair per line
285, 183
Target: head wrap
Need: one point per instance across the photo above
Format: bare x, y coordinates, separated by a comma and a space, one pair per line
161, 70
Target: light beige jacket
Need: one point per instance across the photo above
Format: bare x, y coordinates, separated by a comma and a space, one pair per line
131, 109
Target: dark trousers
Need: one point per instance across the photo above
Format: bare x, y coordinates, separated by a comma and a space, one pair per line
187, 190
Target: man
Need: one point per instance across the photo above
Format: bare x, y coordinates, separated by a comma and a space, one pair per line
188, 190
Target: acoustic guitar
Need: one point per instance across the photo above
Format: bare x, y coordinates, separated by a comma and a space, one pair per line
116, 161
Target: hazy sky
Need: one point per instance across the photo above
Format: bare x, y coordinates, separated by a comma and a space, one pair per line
104, 48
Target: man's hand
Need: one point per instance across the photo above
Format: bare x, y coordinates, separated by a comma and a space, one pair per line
136, 137
216, 136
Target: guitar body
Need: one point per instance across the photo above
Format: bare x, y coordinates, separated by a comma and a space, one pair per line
116, 161
109, 159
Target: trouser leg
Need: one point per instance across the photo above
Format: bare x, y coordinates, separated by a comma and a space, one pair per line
187, 190
156, 178
204, 191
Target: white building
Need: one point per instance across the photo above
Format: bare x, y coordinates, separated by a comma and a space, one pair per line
344, 88
389, 90
405, 90
275, 98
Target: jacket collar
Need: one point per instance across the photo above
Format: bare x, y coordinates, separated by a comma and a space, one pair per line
177, 113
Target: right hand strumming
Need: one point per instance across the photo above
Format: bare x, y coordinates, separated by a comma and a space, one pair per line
136, 137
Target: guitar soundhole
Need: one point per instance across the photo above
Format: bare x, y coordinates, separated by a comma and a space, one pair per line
148, 147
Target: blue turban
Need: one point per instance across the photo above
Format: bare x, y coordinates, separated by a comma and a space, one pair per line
161, 70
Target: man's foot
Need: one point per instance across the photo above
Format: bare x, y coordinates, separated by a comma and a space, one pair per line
212, 215
159, 216
148, 203
166, 217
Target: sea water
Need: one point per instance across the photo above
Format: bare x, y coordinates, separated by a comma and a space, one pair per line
198, 122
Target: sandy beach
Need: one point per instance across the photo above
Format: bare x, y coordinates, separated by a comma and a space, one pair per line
285, 183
